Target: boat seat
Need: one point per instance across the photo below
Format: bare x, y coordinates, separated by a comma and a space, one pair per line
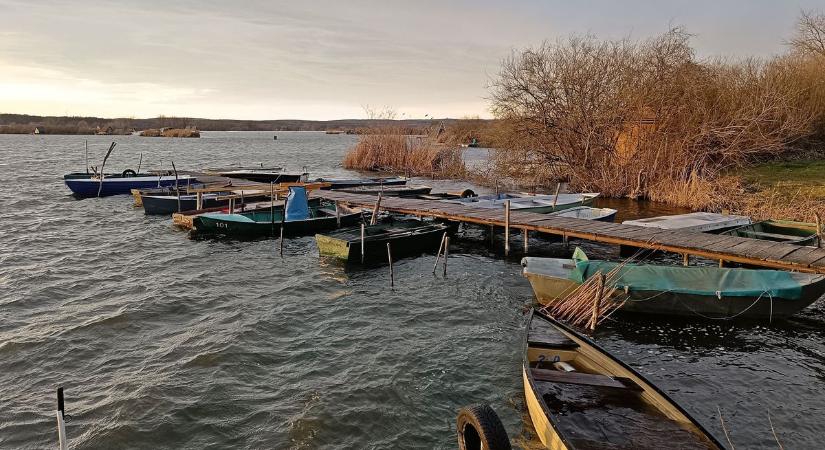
542, 335
587, 379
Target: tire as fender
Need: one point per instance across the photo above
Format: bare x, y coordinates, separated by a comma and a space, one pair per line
478, 427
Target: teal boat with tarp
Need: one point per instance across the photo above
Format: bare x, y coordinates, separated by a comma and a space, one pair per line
709, 292
298, 218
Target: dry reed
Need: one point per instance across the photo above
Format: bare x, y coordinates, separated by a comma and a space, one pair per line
388, 149
590, 303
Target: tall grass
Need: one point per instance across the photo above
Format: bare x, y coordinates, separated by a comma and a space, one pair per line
388, 149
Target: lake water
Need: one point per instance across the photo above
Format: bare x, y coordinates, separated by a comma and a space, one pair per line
162, 341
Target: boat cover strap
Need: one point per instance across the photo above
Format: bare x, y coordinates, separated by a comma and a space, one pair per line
710, 281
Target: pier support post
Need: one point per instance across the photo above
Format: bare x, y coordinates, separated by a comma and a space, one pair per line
446, 252
526, 237
389, 257
362, 242
685, 259
337, 214
199, 200
818, 229
721, 263
506, 227
492, 235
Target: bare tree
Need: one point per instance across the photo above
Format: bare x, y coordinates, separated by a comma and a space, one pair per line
810, 33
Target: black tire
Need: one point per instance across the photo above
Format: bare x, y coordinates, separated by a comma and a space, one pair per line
128, 173
479, 427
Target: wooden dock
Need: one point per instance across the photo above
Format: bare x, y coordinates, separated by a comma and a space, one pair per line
715, 247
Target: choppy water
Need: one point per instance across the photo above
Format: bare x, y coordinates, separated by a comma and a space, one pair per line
165, 342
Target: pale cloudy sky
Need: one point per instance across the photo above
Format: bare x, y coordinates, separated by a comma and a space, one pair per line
321, 59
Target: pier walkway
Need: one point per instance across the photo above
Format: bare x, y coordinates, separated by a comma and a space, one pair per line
715, 247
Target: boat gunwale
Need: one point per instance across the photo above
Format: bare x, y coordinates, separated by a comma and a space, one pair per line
551, 418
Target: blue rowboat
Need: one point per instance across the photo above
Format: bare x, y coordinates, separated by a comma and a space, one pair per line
83, 185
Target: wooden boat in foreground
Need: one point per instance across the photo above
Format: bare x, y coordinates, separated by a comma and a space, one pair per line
798, 233
405, 236
581, 397
709, 292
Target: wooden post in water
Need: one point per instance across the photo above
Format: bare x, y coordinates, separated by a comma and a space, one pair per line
281, 241
492, 235
374, 218
438, 254
594, 320
362, 242
61, 424
140, 163
818, 229
524, 234
721, 263
446, 253
685, 259
506, 227
337, 214
389, 258
199, 200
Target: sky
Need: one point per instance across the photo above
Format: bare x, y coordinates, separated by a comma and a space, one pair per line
323, 60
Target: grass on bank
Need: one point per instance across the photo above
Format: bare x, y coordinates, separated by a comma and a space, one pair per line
791, 190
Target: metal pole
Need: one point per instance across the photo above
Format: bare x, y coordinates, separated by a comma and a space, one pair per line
506, 227
389, 257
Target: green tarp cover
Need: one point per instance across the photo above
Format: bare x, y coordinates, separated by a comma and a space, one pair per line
695, 280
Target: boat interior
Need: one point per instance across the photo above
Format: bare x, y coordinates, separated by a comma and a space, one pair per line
592, 407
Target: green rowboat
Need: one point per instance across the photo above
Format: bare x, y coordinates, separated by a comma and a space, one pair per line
267, 223
798, 233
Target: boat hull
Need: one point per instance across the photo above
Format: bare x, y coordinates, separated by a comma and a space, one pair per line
87, 187
206, 225
422, 239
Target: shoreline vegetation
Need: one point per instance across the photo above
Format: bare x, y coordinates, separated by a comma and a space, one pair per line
646, 119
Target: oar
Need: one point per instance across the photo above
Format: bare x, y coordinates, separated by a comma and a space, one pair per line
100, 186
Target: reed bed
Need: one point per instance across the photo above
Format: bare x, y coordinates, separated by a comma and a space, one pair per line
389, 150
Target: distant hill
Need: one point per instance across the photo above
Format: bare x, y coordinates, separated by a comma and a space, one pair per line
24, 124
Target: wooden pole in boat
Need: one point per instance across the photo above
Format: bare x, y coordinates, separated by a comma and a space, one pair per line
362, 242
506, 227
102, 165
140, 162
86, 146
177, 190
337, 214
438, 254
446, 253
374, 218
61, 424
599, 293
556, 195
389, 257
524, 233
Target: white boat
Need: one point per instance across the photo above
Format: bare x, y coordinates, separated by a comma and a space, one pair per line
587, 213
697, 221
527, 202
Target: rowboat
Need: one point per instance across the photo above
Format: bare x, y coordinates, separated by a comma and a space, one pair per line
587, 213
389, 191
798, 233
86, 185
464, 193
262, 175
579, 396
339, 183
298, 219
697, 221
709, 292
527, 202
168, 203
406, 237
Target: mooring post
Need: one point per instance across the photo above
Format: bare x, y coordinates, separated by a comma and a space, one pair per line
61, 424
389, 257
506, 227
362, 242
282, 241
177, 189
492, 235
337, 214
556, 195
374, 218
446, 252
721, 263
524, 234
199, 200
438, 254
818, 229
685, 259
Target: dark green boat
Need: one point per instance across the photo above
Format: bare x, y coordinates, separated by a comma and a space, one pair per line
406, 238
798, 233
302, 218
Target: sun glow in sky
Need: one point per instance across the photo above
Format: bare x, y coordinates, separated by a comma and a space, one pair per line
322, 59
